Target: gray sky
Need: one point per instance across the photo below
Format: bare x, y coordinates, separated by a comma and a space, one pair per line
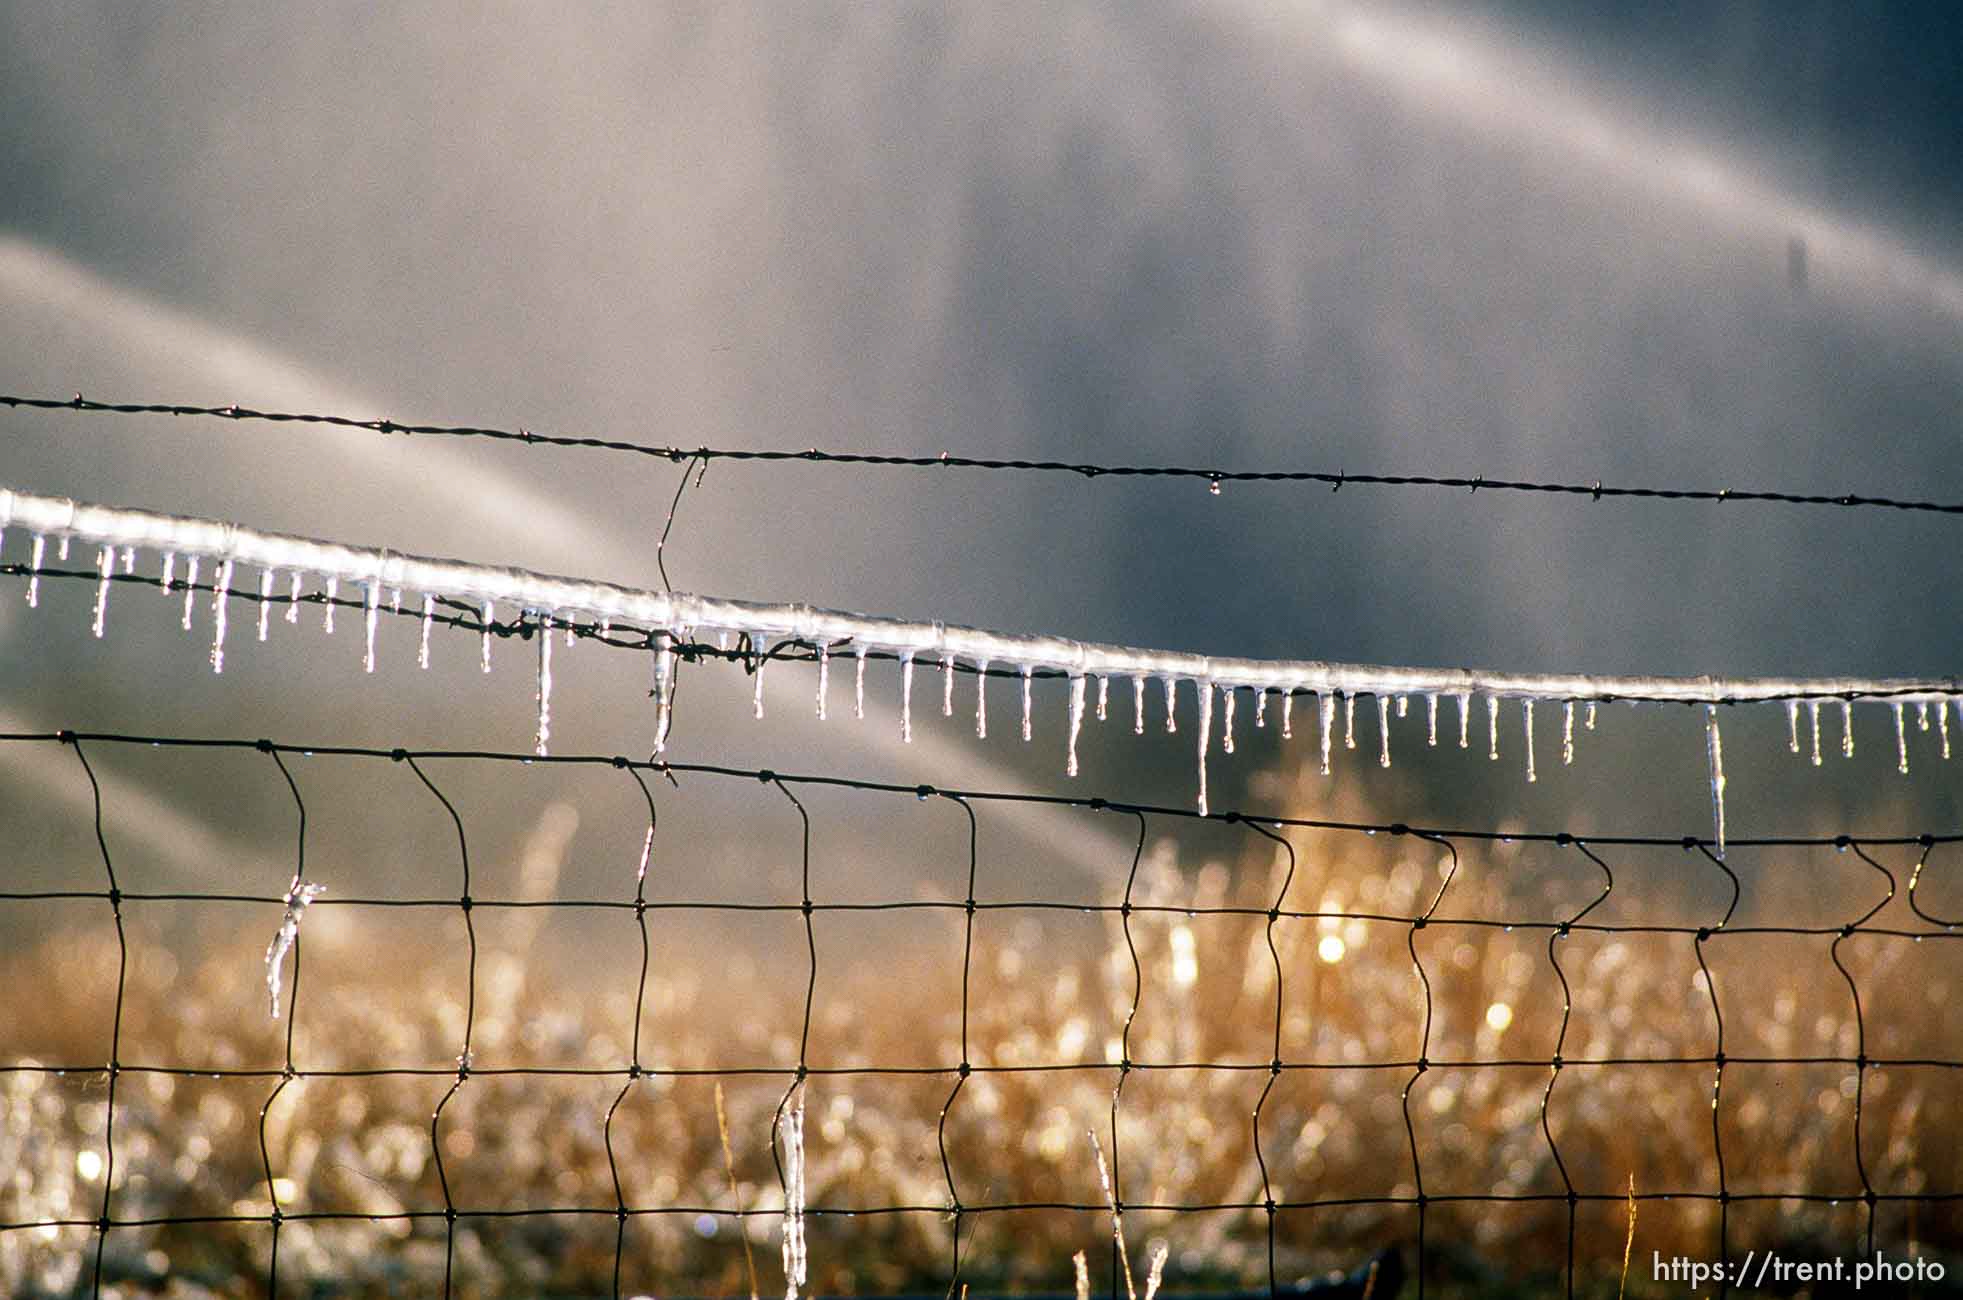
1500, 241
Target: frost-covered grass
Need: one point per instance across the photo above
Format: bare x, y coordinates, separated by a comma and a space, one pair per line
1042, 991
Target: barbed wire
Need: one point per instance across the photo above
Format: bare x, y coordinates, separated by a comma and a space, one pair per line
1595, 490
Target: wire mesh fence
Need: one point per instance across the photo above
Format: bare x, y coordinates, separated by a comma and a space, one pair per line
1336, 1038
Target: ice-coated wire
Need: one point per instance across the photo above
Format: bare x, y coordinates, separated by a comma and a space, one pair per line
563, 598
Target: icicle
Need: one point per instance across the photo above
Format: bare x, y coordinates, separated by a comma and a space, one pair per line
1103, 696
1813, 716
293, 598
297, 897
34, 570
981, 700
1465, 719
1567, 735
1590, 723
1527, 717
1076, 721
1261, 708
1942, 724
1288, 715
61, 549
190, 589
1493, 727
906, 697
429, 615
1172, 719
570, 635
1792, 725
824, 676
1922, 715
1901, 741
544, 684
105, 567
371, 614
1431, 720
265, 600
947, 686
1326, 703
489, 613
1026, 670
1846, 729
333, 585
756, 686
1138, 706
1206, 726
796, 1260
221, 592
170, 570
1383, 731
1227, 721
859, 684
1714, 746
1349, 721
664, 688
129, 559
1403, 705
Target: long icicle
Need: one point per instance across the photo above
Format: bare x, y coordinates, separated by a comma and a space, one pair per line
371, 614
1076, 722
1206, 726
221, 599
981, 700
664, 688
544, 684
1527, 718
1714, 748
105, 564
906, 697
265, 599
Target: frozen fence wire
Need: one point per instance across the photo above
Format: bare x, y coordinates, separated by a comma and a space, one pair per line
565, 602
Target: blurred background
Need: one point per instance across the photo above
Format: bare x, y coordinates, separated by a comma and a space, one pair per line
1702, 246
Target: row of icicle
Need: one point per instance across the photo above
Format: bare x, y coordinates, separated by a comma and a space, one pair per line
665, 642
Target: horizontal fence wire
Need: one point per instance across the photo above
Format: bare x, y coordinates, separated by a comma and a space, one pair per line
1595, 490
433, 769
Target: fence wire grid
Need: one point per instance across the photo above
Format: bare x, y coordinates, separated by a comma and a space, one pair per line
1270, 1222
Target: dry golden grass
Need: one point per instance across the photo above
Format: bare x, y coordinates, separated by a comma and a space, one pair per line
1045, 989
